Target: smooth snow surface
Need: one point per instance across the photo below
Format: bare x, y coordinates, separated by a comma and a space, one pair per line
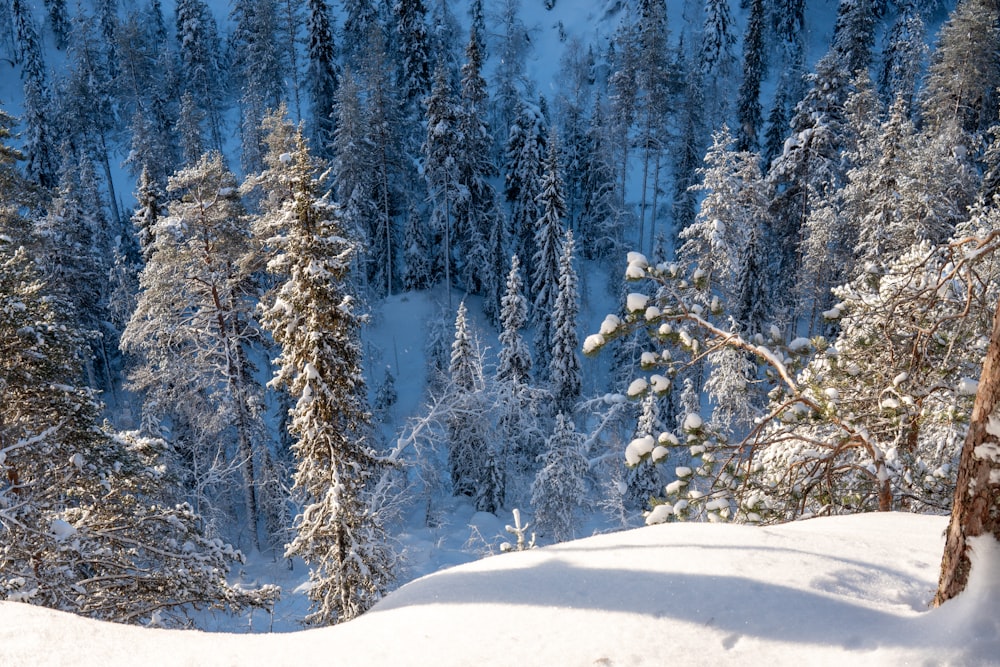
833, 591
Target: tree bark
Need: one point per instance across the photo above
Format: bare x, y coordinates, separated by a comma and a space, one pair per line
976, 508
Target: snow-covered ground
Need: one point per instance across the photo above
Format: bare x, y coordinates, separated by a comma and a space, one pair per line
833, 591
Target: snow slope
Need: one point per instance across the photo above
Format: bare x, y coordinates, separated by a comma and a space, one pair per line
833, 591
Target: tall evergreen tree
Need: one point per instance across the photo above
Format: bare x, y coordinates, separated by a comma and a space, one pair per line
964, 73
748, 109
524, 167
192, 323
545, 279
903, 57
39, 149
515, 359
565, 364
201, 70
311, 314
388, 167
479, 220
414, 73
441, 168
321, 76
260, 70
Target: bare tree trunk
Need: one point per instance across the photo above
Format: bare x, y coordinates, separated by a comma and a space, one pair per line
976, 508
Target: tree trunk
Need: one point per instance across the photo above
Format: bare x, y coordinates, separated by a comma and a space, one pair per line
976, 508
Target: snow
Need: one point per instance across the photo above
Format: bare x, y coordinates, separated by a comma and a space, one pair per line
692, 422
636, 302
967, 387
638, 448
831, 591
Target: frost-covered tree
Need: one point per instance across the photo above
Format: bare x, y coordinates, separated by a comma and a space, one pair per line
564, 365
260, 69
441, 164
311, 315
560, 490
515, 358
903, 57
86, 518
524, 168
321, 75
749, 114
417, 252
388, 167
733, 210
414, 73
545, 263
810, 165
471, 454
201, 69
716, 59
600, 226
39, 146
360, 18
964, 72
479, 220
192, 323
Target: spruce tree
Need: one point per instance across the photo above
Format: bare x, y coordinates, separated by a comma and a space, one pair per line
39, 149
321, 76
565, 364
524, 167
748, 110
311, 315
545, 264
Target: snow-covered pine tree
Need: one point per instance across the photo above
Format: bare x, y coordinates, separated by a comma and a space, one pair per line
417, 252
201, 70
85, 514
964, 73
441, 169
718, 242
465, 441
413, 76
903, 57
515, 359
39, 141
653, 103
189, 131
259, 67
748, 109
192, 324
716, 59
310, 313
517, 403
388, 170
545, 263
524, 168
809, 167
560, 490
58, 21
479, 220
322, 76
600, 228
564, 369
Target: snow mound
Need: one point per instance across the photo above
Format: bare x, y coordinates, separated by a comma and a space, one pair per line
832, 591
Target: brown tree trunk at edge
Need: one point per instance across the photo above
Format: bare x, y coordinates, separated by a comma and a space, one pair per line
976, 507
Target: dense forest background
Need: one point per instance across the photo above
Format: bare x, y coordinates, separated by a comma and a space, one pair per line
219, 223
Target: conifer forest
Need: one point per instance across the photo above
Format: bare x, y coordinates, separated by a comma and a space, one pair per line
288, 279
